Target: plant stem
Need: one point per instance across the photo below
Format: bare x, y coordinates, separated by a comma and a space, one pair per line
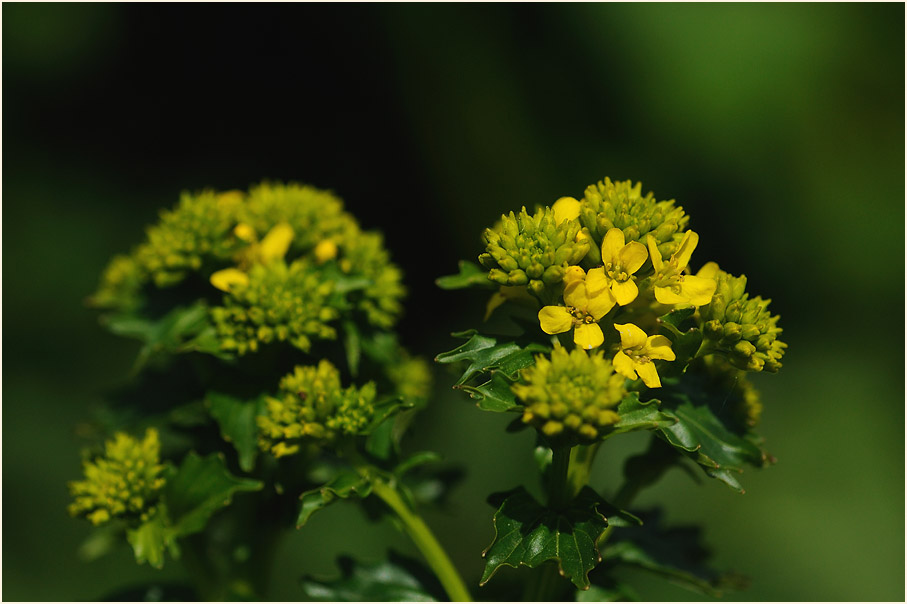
581, 458
559, 495
422, 536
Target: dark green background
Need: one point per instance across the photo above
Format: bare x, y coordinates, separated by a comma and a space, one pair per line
779, 128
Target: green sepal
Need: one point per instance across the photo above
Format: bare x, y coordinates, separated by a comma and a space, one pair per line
199, 488
345, 485
236, 419
702, 437
470, 275
150, 539
396, 579
675, 554
485, 354
526, 533
638, 415
494, 395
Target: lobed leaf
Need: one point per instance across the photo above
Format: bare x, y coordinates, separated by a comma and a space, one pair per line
199, 488
238, 426
529, 534
493, 395
150, 539
345, 485
638, 415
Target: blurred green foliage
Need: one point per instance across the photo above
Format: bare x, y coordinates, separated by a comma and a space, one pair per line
779, 127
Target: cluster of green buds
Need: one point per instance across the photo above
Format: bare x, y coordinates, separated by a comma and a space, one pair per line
607, 205
532, 249
313, 407
740, 327
276, 303
123, 483
571, 397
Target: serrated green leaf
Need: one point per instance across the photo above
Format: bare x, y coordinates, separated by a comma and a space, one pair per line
528, 534
637, 415
675, 554
165, 335
343, 486
238, 426
150, 540
199, 488
470, 275
494, 395
702, 437
396, 579
675, 319
484, 354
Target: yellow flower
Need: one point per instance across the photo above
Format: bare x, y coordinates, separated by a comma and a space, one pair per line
620, 262
671, 285
583, 311
565, 208
637, 353
272, 247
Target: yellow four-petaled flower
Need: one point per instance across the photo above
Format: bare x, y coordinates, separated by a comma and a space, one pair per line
637, 351
585, 307
671, 285
620, 261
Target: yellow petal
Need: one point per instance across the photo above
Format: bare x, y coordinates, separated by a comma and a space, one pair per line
596, 280
624, 292
654, 254
227, 278
573, 273
648, 374
565, 208
697, 290
659, 347
611, 246
681, 257
555, 319
244, 232
624, 365
632, 256
588, 336
276, 243
631, 336
599, 304
709, 270
666, 295
575, 295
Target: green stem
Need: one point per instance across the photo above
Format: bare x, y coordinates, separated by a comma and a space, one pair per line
581, 458
559, 495
422, 536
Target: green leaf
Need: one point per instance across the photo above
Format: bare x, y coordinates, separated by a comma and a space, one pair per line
528, 534
396, 579
149, 541
168, 334
493, 395
637, 415
614, 592
384, 408
702, 437
674, 319
416, 460
470, 275
200, 487
236, 419
675, 554
100, 541
484, 354
343, 486
685, 342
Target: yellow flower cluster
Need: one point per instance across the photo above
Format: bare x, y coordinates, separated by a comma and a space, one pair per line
313, 407
124, 483
571, 397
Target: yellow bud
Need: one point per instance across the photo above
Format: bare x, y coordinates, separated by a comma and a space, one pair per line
244, 232
325, 250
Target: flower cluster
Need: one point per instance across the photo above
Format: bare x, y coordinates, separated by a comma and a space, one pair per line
607, 270
124, 483
313, 407
740, 327
571, 397
288, 258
